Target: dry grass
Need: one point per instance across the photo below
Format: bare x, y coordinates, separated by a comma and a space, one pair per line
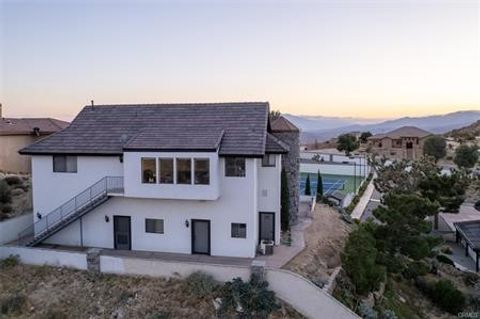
64, 293
324, 239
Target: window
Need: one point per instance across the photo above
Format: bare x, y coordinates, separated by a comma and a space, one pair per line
235, 166
154, 226
202, 171
65, 164
268, 160
184, 171
149, 170
166, 170
239, 230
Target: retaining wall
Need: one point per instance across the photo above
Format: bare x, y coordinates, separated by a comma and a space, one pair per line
10, 228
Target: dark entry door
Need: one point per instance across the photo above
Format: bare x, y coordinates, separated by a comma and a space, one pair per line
267, 226
200, 236
122, 232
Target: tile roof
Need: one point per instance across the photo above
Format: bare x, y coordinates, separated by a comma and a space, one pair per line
405, 131
281, 124
26, 126
275, 145
172, 139
107, 129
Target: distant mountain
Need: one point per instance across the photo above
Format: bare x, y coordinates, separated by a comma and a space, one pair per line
468, 132
324, 128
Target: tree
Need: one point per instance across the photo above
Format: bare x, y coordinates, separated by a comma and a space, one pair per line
275, 114
466, 156
364, 137
285, 202
435, 146
359, 260
319, 186
404, 227
347, 143
308, 189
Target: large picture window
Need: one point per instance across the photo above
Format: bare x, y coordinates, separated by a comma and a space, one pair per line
235, 166
166, 170
154, 226
149, 170
64, 164
202, 171
184, 171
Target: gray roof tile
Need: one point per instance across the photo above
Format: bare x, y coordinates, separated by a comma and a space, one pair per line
107, 129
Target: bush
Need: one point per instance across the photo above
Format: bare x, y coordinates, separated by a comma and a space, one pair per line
5, 192
13, 304
443, 293
447, 297
415, 269
202, 284
470, 279
6, 209
367, 312
255, 299
444, 259
13, 180
10, 262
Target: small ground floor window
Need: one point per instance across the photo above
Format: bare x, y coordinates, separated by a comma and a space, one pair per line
239, 230
154, 225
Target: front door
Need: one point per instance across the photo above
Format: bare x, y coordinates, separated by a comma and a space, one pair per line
267, 226
200, 236
122, 233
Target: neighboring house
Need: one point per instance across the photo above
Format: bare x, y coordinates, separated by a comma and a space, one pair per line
180, 178
16, 133
403, 143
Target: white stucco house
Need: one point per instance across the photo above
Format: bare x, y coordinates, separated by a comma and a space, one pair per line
181, 178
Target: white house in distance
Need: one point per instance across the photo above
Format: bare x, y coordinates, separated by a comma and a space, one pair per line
181, 178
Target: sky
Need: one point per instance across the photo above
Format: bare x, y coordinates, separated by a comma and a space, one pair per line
355, 58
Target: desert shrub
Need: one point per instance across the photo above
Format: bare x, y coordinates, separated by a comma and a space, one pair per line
5, 192
443, 293
255, 299
55, 313
13, 180
10, 261
444, 259
201, 284
6, 208
447, 297
367, 312
13, 304
446, 250
470, 278
415, 269
389, 314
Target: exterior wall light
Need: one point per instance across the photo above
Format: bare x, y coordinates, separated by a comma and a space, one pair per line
107, 219
187, 223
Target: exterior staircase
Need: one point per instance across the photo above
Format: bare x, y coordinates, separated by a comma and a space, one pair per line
72, 210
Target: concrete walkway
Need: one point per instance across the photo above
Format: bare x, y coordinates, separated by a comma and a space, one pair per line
364, 200
461, 261
283, 253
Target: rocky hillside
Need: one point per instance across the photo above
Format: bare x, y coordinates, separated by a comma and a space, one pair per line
468, 132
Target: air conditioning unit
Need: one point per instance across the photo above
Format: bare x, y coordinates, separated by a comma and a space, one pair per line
266, 247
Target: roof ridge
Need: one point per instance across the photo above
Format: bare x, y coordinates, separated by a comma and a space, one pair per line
178, 104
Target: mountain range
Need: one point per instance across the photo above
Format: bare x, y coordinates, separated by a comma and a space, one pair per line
322, 128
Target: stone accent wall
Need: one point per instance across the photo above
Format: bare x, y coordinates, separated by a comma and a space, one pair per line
291, 164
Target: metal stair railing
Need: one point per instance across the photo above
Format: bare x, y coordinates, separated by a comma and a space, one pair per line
101, 189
